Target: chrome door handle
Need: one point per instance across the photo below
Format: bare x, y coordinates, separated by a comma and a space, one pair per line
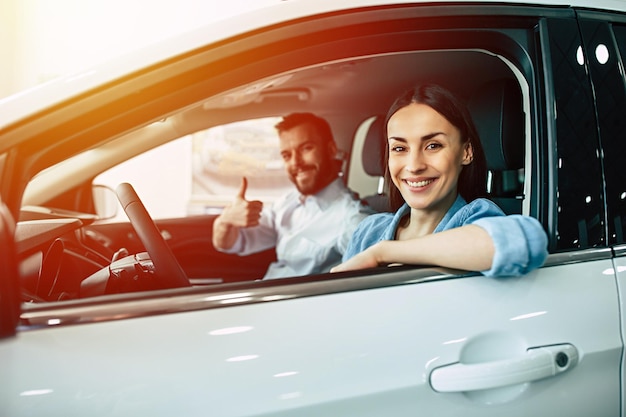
536, 363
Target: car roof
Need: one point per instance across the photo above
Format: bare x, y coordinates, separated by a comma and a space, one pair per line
29, 102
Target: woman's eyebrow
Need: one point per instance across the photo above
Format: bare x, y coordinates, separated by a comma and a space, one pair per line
432, 135
423, 138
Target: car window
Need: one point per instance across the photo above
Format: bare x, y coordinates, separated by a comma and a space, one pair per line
579, 173
201, 173
611, 104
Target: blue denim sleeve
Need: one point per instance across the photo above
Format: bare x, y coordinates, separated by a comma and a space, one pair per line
368, 232
351, 250
520, 244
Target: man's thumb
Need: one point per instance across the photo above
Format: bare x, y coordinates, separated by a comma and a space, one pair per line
242, 189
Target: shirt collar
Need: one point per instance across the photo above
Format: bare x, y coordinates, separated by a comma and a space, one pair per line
327, 195
402, 211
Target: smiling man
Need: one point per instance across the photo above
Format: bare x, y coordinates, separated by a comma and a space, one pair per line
309, 227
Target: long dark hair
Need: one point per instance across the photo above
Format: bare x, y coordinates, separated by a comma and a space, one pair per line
473, 178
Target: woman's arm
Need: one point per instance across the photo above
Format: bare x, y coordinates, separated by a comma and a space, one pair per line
468, 247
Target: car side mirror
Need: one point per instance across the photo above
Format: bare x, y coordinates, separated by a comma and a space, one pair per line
105, 201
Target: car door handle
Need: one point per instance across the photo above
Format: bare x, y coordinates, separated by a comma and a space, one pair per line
536, 363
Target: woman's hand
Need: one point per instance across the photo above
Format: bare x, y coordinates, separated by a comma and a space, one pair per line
369, 258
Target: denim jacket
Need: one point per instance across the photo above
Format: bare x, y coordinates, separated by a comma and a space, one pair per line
520, 241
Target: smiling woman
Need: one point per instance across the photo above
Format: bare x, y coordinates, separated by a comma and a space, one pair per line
437, 166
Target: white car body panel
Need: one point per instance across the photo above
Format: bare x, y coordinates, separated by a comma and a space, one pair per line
364, 353
620, 271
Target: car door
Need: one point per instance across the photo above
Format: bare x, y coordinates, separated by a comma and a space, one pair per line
393, 342
389, 341
605, 42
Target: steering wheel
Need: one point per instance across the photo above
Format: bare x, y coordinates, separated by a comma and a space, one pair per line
168, 271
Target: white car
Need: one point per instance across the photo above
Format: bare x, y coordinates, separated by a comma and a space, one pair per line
87, 329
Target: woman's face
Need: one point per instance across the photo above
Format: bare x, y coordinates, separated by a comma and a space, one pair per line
426, 156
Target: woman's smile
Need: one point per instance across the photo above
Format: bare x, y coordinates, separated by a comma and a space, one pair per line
419, 183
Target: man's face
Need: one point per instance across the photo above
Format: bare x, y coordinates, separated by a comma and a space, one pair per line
309, 161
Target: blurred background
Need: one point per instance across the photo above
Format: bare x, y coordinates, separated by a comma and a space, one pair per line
41, 40
44, 39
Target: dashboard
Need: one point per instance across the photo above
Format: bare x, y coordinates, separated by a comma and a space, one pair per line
56, 254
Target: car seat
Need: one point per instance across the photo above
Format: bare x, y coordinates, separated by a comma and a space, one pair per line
496, 108
373, 164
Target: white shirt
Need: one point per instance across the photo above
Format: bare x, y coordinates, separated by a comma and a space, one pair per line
310, 233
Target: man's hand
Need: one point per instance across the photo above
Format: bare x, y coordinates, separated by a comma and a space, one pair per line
240, 213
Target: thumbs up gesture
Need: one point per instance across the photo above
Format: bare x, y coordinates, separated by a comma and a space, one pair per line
241, 212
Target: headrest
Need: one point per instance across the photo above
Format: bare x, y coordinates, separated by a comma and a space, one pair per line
373, 149
496, 108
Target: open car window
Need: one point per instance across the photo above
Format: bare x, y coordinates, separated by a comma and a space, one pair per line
207, 129
187, 179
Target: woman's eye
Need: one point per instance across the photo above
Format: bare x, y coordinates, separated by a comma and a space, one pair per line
432, 146
397, 148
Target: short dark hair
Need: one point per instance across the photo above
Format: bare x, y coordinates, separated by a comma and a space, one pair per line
473, 178
319, 125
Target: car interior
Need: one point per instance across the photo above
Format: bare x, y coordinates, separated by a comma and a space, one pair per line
68, 252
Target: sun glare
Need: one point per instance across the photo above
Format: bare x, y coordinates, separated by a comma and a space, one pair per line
66, 36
